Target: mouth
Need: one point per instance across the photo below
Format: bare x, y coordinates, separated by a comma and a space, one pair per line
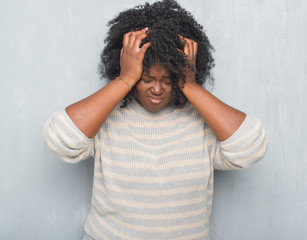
155, 100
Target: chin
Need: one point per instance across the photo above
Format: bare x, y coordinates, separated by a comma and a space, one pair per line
153, 110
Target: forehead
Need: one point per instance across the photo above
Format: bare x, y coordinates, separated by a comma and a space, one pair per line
157, 69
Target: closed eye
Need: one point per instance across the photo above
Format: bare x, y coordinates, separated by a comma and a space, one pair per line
146, 81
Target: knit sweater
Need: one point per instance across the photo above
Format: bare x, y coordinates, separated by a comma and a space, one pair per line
153, 172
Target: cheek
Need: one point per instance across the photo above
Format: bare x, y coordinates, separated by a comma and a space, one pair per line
139, 87
168, 90
140, 91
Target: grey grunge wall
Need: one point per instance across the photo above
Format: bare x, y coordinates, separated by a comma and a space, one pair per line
49, 52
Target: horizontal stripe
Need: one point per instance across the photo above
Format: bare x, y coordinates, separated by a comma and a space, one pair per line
155, 205
148, 193
162, 135
119, 138
149, 179
153, 166
150, 186
146, 228
105, 206
96, 229
144, 123
234, 160
160, 229
194, 236
153, 217
140, 153
105, 225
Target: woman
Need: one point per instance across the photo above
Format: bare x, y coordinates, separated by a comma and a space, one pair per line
155, 133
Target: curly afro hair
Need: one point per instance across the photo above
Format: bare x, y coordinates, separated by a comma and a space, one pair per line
166, 20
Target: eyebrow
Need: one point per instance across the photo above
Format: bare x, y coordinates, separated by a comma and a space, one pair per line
146, 75
152, 77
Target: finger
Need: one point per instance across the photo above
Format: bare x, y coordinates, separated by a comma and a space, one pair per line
195, 49
186, 44
144, 30
140, 35
138, 40
131, 40
184, 40
192, 49
187, 47
126, 39
135, 37
181, 38
180, 50
144, 48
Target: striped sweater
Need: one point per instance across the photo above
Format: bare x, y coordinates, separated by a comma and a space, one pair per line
153, 172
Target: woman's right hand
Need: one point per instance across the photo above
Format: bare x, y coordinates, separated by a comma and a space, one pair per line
131, 55
90, 113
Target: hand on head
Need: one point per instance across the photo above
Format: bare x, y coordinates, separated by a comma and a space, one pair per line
190, 50
131, 56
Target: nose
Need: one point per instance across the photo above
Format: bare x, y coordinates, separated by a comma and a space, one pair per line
157, 88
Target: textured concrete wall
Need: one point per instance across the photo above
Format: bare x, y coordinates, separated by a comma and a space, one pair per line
49, 51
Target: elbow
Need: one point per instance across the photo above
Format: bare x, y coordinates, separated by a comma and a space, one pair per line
250, 154
257, 150
69, 148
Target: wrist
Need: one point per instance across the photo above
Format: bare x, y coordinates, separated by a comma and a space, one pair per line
187, 82
189, 86
128, 79
126, 82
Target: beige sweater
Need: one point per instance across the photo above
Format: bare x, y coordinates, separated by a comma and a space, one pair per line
153, 174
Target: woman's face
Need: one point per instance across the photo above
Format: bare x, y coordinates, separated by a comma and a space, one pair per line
154, 90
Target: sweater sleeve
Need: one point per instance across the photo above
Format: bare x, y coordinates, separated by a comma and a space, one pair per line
65, 140
245, 147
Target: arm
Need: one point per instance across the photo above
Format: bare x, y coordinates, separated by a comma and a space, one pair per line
245, 147
65, 140
235, 140
222, 119
90, 113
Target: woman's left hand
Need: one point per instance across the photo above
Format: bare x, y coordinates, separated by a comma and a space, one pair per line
190, 50
221, 118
